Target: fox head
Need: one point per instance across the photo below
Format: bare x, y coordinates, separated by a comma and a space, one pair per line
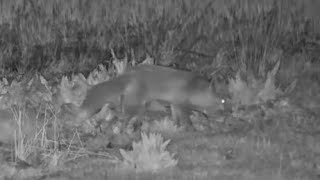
220, 89
73, 91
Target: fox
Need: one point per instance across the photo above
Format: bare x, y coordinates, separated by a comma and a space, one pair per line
144, 83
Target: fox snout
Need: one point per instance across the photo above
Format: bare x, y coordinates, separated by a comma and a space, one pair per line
75, 113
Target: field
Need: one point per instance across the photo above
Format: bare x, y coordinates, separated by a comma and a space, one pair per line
264, 56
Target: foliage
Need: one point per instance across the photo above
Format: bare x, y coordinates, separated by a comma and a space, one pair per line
259, 47
163, 126
254, 91
62, 37
148, 155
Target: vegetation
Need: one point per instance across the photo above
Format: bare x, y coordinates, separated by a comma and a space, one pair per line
266, 51
76, 35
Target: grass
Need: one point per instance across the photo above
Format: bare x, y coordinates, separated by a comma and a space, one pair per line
238, 42
79, 34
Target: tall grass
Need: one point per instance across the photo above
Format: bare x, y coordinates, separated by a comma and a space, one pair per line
247, 34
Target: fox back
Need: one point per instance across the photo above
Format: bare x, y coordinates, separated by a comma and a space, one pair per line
174, 86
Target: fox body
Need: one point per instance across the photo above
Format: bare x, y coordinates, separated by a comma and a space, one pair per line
145, 83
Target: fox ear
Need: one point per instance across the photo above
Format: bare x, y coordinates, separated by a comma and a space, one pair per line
81, 80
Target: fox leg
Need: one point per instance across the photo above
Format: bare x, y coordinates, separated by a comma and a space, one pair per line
176, 114
133, 107
135, 118
181, 117
141, 109
121, 99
